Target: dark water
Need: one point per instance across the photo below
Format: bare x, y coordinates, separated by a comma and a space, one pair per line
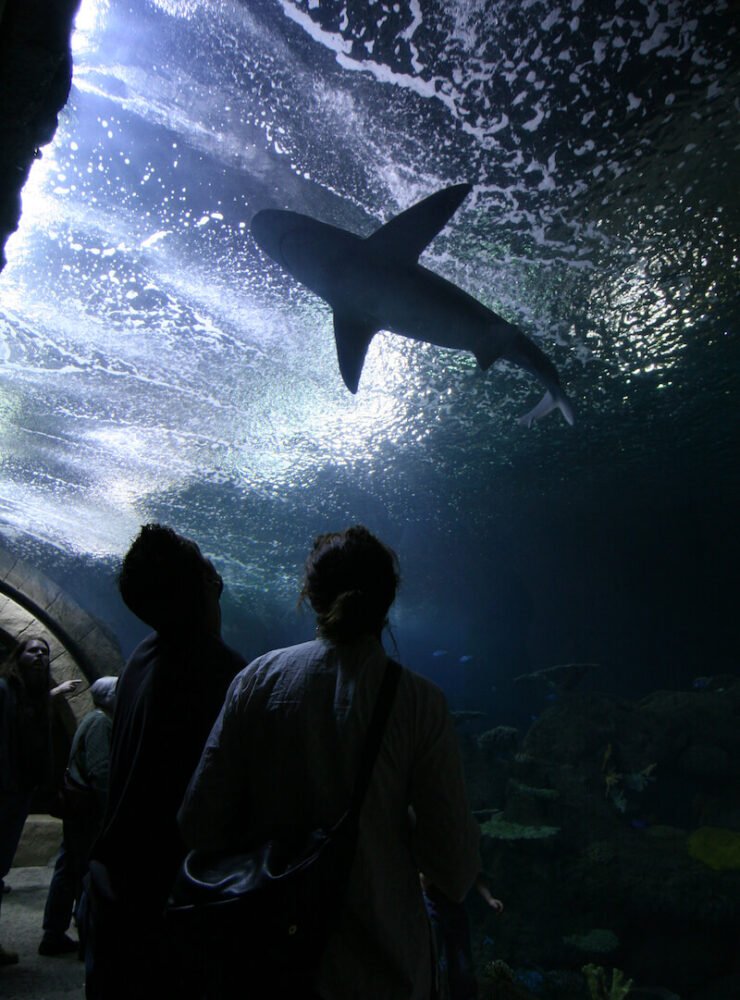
154, 364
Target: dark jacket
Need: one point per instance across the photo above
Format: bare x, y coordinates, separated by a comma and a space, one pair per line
25, 742
168, 698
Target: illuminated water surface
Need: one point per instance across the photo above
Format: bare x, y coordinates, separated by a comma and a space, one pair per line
154, 364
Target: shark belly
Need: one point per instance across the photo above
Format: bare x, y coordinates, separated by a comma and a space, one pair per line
414, 303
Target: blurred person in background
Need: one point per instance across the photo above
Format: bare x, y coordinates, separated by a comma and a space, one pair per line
85, 795
25, 743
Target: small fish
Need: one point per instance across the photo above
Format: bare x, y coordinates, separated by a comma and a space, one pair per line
466, 658
439, 652
552, 696
700, 683
639, 824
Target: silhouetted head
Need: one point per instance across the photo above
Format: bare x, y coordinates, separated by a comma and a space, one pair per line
103, 693
169, 584
350, 581
27, 667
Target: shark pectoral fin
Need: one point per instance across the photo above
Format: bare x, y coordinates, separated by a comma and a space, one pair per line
407, 234
353, 339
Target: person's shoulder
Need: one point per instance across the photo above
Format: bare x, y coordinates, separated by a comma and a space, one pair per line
277, 664
298, 654
142, 656
98, 719
421, 689
89, 724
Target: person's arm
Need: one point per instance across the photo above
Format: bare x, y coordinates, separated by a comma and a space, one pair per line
213, 800
66, 687
445, 837
484, 890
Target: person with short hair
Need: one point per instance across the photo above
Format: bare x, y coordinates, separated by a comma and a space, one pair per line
25, 743
284, 754
169, 694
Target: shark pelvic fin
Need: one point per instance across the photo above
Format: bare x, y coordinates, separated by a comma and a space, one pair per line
486, 354
408, 234
353, 339
550, 401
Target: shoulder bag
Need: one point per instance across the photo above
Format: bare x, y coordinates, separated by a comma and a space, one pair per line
261, 919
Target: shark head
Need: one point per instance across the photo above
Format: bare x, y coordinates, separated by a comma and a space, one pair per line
299, 244
271, 227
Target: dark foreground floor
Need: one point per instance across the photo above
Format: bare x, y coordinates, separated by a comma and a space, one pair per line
60, 978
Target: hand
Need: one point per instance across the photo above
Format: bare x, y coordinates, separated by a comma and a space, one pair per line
66, 687
485, 892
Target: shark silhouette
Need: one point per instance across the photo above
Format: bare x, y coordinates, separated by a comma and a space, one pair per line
377, 284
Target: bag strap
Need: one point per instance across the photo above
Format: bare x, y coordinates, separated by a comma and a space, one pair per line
374, 734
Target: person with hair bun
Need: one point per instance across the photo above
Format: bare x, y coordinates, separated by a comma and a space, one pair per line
283, 755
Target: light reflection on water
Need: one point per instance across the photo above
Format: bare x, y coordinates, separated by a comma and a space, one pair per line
148, 347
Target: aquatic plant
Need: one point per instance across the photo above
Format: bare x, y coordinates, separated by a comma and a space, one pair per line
596, 981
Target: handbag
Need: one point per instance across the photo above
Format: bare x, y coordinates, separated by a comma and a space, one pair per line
265, 915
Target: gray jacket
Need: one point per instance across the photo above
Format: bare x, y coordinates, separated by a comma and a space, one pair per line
284, 752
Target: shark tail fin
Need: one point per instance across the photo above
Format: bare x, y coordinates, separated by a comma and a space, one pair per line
552, 400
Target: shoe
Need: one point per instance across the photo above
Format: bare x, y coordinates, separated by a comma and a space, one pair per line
8, 957
57, 944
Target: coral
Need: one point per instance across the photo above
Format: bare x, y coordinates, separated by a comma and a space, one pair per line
500, 983
716, 847
497, 972
500, 738
597, 987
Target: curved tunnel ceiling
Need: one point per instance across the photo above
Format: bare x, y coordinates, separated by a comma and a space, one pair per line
32, 605
155, 365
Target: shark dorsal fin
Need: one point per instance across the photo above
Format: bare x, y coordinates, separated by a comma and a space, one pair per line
408, 234
353, 339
